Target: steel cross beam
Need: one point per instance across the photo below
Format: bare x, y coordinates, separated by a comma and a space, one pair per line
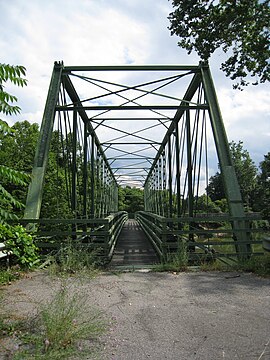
194, 68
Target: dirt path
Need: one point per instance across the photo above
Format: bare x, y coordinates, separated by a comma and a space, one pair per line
158, 316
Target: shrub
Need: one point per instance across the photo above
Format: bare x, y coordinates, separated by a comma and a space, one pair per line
20, 244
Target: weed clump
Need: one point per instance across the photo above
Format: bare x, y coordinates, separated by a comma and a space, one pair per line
72, 259
64, 327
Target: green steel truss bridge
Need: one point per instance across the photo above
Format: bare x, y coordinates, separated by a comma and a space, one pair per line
154, 127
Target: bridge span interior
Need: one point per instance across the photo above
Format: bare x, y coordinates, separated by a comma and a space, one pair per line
158, 128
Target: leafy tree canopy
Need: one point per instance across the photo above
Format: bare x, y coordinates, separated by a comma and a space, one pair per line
239, 27
130, 199
246, 172
262, 192
15, 75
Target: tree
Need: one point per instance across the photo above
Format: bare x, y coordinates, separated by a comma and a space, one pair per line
239, 27
13, 74
246, 173
215, 188
246, 170
130, 199
204, 204
262, 192
17, 152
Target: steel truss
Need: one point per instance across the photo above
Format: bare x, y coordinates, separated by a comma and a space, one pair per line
112, 133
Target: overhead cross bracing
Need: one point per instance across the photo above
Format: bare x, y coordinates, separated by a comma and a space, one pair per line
154, 127
131, 114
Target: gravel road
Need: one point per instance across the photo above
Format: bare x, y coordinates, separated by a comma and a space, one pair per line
186, 316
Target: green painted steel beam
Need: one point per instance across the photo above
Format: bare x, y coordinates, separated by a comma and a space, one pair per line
134, 68
35, 190
230, 182
133, 107
131, 143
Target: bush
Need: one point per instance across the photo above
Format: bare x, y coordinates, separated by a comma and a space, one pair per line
20, 244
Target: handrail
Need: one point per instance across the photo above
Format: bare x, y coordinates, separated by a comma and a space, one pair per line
166, 233
99, 233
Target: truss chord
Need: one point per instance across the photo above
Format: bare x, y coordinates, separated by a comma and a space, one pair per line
135, 87
133, 107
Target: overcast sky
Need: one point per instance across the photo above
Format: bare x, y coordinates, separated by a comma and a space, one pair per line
35, 33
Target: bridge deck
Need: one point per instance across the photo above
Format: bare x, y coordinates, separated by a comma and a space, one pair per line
133, 248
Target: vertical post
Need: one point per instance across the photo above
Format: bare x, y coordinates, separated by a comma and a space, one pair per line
230, 182
74, 172
164, 197
35, 190
85, 172
98, 210
189, 166
160, 205
156, 189
145, 196
74, 166
190, 175
177, 154
102, 187
92, 176
170, 176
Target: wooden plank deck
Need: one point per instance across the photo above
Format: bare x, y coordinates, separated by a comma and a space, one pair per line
133, 247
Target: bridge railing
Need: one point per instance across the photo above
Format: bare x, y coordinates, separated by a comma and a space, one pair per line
204, 236
98, 234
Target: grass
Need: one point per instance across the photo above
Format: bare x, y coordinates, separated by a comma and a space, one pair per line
8, 275
177, 261
64, 327
259, 265
71, 259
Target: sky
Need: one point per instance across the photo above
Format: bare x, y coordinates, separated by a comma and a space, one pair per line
35, 33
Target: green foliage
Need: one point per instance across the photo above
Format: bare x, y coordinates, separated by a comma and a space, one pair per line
204, 204
7, 201
130, 199
261, 194
9, 176
259, 265
222, 204
246, 172
20, 244
245, 168
71, 259
14, 75
239, 28
215, 187
177, 261
7, 275
17, 153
